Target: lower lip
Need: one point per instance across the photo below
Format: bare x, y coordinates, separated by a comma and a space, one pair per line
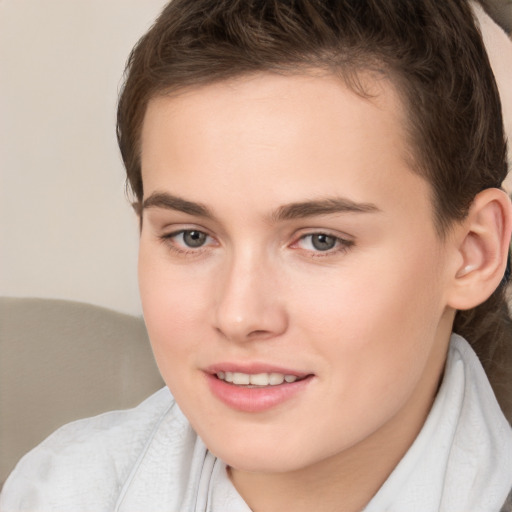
255, 399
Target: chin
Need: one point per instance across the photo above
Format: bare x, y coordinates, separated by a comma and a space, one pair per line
260, 455
270, 462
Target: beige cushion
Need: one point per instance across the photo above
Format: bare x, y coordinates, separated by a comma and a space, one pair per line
62, 360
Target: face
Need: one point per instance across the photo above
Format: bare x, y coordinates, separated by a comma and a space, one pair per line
287, 246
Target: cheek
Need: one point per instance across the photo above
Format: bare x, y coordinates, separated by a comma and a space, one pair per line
386, 294
376, 323
173, 304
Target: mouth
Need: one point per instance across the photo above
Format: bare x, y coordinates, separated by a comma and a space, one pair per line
257, 380
255, 390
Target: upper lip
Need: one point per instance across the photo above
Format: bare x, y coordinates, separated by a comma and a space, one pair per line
253, 369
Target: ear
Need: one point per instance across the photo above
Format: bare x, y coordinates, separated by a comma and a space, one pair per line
482, 245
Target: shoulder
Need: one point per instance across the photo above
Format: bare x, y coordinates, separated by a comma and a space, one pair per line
85, 462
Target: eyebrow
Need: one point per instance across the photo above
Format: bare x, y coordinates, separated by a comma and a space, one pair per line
290, 211
327, 206
170, 202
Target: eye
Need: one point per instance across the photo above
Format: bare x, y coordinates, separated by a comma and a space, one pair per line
187, 239
323, 242
193, 238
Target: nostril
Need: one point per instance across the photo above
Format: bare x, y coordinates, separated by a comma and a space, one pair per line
258, 333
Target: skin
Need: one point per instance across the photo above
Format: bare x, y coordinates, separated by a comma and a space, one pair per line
370, 318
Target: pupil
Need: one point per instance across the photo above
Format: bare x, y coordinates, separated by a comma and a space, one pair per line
323, 242
194, 238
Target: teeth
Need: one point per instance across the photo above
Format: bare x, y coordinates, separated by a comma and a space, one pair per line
258, 379
241, 379
274, 379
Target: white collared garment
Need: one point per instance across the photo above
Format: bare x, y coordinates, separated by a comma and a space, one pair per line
150, 459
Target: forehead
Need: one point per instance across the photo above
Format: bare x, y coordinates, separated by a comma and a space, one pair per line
266, 98
268, 138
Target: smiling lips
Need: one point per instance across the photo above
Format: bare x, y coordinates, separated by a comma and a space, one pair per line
258, 379
255, 391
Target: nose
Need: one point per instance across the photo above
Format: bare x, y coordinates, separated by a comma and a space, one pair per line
250, 305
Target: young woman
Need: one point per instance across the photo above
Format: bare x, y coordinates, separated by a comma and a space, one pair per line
319, 191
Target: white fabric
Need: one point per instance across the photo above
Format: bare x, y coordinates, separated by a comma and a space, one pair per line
462, 459
150, 459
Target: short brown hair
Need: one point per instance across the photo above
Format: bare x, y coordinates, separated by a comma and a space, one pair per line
431, 50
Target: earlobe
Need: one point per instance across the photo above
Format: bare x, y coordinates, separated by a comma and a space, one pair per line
483, 245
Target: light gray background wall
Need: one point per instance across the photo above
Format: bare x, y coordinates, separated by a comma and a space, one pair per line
66, 228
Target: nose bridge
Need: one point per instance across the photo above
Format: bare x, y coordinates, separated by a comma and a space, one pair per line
248, 304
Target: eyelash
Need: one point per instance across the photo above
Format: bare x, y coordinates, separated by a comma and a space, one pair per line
341, 246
